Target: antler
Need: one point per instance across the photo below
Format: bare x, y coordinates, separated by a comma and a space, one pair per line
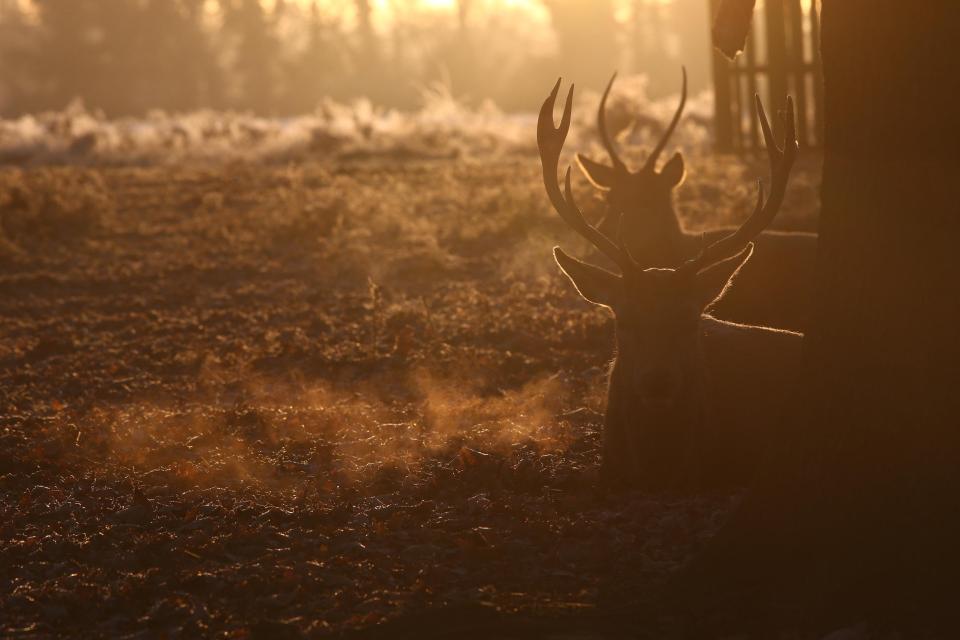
602, 126
550, 141
651, 162
607, 140
781, 162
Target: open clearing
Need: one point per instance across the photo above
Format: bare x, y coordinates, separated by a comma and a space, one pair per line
264, 400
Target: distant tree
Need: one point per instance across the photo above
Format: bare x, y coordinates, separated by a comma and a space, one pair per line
312, 71
463, 15
587, 39
648, 46
123, 56
256, 54
16, 88
71, 55
174, 66
464, 36
690, 21
367, 51
453, 58
198, 49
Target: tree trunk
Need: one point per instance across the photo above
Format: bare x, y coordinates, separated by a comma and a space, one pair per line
587, 39
859, 518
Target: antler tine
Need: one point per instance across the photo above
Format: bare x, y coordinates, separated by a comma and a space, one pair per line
781, 162
651, 162
602, 126
550, 141
574, 217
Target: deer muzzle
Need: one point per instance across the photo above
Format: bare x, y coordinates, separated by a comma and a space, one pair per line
659, 388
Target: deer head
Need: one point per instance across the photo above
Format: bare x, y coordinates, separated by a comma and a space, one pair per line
645, 197
658, 311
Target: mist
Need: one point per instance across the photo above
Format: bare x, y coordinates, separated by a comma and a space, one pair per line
339, 318
286, 58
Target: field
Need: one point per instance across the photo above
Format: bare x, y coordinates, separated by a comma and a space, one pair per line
331, 394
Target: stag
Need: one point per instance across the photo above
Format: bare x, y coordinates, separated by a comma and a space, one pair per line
689, 395
778, 281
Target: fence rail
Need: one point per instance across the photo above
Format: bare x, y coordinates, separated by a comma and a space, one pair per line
782, 57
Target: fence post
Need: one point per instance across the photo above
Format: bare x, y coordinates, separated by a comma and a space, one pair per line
817, 72
787, 69
776, 59
797, 66
722, 104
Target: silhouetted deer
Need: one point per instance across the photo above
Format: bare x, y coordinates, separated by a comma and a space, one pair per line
690, 397
778, 281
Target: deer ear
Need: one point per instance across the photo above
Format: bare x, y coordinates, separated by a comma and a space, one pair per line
600, 175
674, 171
714, 282
596, 285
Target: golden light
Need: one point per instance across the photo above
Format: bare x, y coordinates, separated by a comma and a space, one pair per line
389, 6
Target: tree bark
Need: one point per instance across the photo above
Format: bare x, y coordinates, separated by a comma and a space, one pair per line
859, 518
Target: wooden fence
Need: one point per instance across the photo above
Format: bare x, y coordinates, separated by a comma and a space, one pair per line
782, 57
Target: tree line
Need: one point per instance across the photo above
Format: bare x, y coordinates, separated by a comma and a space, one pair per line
126, 57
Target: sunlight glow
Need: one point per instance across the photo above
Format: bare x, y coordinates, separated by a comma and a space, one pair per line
389, 5
384, 11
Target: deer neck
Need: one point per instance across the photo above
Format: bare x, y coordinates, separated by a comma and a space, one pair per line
655, 448
624, 405
657, 237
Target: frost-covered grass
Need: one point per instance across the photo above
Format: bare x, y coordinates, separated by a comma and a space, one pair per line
265, 399
441, 128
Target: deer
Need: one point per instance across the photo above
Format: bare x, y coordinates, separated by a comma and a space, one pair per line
690, 398
778, 281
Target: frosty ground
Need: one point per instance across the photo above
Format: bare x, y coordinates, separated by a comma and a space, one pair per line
320, 394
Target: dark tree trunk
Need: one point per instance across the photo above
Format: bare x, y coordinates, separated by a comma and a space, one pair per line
860, 517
